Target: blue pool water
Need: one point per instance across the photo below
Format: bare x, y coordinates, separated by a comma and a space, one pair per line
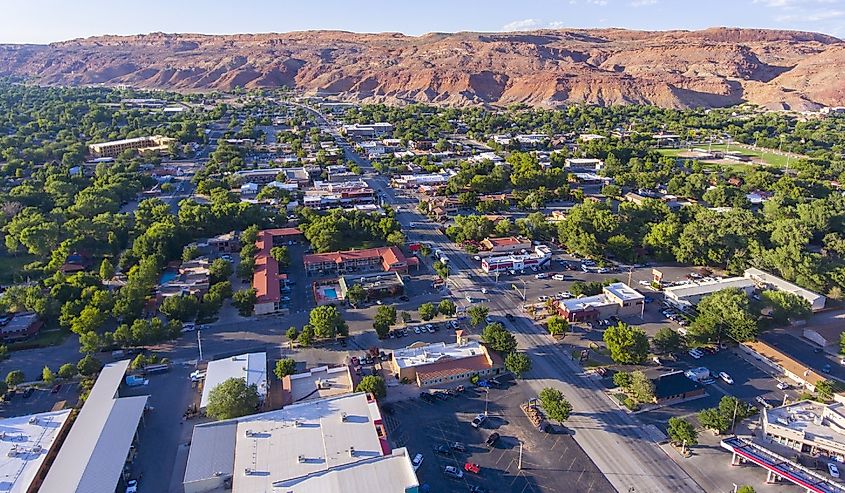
330, 293
167, 276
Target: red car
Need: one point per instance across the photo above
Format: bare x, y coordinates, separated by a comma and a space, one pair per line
473, 468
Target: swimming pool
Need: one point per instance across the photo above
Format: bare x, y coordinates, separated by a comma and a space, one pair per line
166, 276
330, 293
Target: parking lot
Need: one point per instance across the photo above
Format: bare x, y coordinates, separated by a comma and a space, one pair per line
550, 461
22, 403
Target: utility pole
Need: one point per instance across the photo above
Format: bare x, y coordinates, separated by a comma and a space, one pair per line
683, 447
733, 422
199, 342
486, 394
519, 466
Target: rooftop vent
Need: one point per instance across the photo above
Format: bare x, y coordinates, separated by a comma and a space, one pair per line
343, 417
248, 433
33, 420
247, 471
301, 459
351, 451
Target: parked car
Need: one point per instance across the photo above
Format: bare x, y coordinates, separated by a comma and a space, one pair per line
832, 469
442, 449
472, 467
826, 368
460, 447
417, 461
542, 275
559, 277
404, 298
453, 472
189, 327
132, 486
428, 327
476, 422
726, 378
28, 392
783, 385
695, 353
56, 388
492, 439
477, 489
417, 330
477, 258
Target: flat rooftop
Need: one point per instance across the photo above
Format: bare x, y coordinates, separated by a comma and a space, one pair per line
318, 383
809, 418
701, 288
252, 367
432, 353
293, 444
25, 442
577, 304
623, 291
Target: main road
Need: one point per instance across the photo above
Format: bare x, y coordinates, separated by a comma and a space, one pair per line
613, 439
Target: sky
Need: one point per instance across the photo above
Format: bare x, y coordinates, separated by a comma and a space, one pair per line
44, 21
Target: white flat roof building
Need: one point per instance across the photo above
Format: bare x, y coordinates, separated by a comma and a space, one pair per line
337, 444
25, 441
691, 294
808, 426
432, 353
767, 280
93, 455
252, 367
317, 383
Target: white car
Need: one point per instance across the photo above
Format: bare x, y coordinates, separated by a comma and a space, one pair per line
132, 486
695, 353
543, 298
476, 422
197, 375
417, 461
189, 327
682, 331
726, 378
453, 472
476, 257
559, 277
483, 290
645, 283
428, 326
417, 330
783, 385
542, 275
832, 469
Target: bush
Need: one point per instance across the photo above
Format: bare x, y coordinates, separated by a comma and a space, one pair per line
374, 385
631, 404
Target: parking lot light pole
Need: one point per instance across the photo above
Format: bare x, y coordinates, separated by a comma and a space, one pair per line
519, 466
486, 394
199, 343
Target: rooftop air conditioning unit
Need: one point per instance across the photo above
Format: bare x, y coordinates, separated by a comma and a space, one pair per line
301, 459
247, 471
248, 433
343, 417
351, 451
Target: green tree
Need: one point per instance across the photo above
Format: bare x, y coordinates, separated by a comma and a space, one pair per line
477, 314
518, 363
3, 387
557, 325
14, 378
106, 270
745, 489
67, 371
555, 405
281, 255
232, 398
244, 300
441, 269
306, 337
385, 317
182, 308
89, 366
722, 313
622, 379
786, 305
220, 270
711, 418
628, 345
47, 375
667, 340
372, 384
498, 338
681, 431
285, 367
326, 321
356, 295
406, 317
190, 252
642, 387
447, 308
427, 311
292, 333
825, 390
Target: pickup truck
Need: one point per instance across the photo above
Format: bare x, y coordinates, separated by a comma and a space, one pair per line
492, 439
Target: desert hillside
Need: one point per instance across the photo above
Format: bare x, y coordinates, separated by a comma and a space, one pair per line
714, 67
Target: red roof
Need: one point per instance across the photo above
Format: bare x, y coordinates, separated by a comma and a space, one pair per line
450, 367
506, 241
391, 257
266, 278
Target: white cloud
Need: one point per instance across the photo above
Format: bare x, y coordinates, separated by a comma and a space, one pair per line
600, 3
557, 24
812, 16
643, 3
521, 25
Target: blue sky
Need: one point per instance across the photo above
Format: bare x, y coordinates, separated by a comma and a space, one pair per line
41, 21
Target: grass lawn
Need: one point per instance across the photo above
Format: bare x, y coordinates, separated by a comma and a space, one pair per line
769, 158
11, 268
45, 338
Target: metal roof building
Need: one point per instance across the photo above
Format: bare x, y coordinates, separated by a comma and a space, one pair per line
336, 444
25, 444
252, 367
765, 279
691, 294
92, 456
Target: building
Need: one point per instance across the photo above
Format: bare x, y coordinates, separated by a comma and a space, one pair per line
538, 258
507, 244
376, 285
251, 367
765, 280
29, 445
583, 164
101, 440
191, 279
20, 326
675, 386
809, 427
617, 299
691, 294
423, 179
444, 364
783, 364
825, 335
332, 445
225, 243
387, 259
316, 383
154, 143
266, 280
367, 131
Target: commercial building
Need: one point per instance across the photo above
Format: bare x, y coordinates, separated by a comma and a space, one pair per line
768, 281
367, 131
617, 299
783, 364
266, 280
507, 244
444, 364
20, 326
676, 386
226, 243
825, 335
154, 143
583, 164
387, 259
28, 445
538, 258
376, 285
691, 294
423, 179
101, 440
251, 367
809, 427
316, 383
331, 445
